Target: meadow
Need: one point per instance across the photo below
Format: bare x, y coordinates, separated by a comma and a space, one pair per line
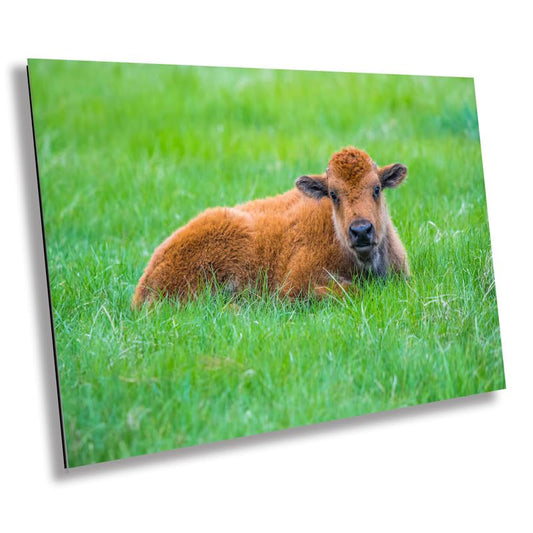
127, 153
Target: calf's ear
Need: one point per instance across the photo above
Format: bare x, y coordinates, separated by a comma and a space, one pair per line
392, 175
314, 186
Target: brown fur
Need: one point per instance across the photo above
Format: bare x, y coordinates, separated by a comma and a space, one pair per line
351, 165
298, 240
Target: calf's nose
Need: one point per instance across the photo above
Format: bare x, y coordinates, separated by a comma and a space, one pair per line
361, 233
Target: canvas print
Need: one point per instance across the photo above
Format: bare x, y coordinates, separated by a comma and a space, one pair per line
234, 251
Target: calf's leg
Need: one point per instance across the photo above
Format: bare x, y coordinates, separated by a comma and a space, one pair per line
215, 245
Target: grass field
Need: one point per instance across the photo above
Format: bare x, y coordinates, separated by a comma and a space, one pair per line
127, 153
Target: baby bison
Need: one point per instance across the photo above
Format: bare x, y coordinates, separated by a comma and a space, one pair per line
314, 238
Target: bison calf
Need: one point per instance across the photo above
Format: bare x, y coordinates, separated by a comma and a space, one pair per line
331, 226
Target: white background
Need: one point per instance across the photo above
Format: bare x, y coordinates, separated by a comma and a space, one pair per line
461, 465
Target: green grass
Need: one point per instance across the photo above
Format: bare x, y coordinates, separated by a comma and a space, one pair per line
127, 153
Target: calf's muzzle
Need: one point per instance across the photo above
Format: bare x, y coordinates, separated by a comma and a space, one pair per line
362, 233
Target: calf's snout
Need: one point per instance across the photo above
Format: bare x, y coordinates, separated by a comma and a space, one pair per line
362, 233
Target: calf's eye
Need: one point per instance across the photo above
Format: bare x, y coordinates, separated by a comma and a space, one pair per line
333, 196
377, 190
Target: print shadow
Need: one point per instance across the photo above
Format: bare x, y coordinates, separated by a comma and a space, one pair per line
38, 282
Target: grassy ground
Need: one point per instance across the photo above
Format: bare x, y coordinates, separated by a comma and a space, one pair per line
127, 153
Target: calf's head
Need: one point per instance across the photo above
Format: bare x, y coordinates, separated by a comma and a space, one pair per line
354, 184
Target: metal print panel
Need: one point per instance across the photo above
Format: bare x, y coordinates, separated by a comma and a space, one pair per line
237, 251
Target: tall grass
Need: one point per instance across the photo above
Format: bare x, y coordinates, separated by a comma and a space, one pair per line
127, 153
